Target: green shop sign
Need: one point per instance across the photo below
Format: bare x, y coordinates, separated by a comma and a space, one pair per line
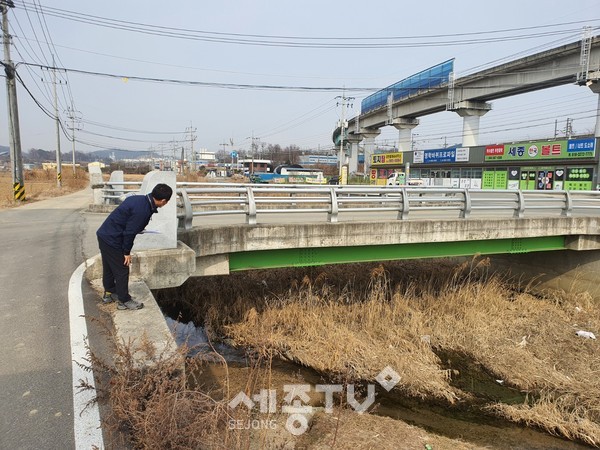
531, 151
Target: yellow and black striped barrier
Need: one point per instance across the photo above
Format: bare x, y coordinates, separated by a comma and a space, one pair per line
19, 191
59, 177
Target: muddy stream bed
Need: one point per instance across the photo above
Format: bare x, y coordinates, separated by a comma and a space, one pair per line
466, 423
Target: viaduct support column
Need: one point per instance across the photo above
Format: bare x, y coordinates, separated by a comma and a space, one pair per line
369, 134
471, 112
353, 140
404, 125
594, 85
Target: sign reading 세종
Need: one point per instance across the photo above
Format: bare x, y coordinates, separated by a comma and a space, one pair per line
573, 148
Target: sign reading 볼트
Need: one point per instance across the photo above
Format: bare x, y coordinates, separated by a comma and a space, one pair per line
386, 158
574, 148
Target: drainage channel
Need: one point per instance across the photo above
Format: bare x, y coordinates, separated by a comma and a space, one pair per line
467, 424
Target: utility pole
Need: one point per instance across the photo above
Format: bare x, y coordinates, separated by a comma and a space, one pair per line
225, 144
569, 128
57, 119
345, 102
192, 130
73, 114
253, 148
182, 160
13, 110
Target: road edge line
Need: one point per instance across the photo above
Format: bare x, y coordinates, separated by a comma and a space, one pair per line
86, 414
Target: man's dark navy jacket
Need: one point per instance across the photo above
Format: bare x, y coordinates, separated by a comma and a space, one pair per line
131, 217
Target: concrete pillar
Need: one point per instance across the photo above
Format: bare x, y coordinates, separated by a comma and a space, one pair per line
162, 229
471, 112
369, 134
116, 177
594, 85
96, 184
405, 125
95, 175
353, 140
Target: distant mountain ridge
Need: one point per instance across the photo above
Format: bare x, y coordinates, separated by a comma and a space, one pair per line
39, 155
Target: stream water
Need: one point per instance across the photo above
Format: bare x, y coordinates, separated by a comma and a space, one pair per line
469, 425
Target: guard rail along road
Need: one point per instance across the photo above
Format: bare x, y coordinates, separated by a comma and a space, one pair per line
250, 202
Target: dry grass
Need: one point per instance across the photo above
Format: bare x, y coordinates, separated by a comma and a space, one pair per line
440, 327
41, 184
155, 407
151, 407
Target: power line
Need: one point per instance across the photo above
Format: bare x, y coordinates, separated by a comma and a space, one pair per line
130, 130
199, 83
128, 139
308, 42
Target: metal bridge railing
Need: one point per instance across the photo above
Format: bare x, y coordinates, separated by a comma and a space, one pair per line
112, 192
254, 201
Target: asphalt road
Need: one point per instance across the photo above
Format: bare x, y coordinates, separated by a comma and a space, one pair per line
42, 245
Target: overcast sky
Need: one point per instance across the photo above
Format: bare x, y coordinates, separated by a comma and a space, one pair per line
304, 52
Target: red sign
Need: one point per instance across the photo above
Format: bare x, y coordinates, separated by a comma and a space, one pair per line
494, 150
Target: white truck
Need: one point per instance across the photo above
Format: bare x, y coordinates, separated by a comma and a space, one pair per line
399, 179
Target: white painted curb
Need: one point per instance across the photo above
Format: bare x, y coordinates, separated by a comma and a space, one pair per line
86, 416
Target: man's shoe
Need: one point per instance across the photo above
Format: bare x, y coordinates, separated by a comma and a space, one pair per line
109, 297
131, 304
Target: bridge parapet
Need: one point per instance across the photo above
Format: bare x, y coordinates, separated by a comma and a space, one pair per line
253, 203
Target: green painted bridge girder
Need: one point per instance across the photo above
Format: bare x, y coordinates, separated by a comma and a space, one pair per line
318, 256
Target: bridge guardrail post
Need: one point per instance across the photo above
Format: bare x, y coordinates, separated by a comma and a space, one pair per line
520, 209
332, 216
466, 211
568, 209
185, 221
251, 204
405, 205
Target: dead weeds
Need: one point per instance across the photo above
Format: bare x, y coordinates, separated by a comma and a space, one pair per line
354, 320
41, 184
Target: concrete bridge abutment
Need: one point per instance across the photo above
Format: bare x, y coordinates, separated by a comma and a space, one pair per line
563, 270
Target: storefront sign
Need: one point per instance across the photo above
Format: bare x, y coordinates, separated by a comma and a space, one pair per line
462, 154
440, 156
387, 158
574, 148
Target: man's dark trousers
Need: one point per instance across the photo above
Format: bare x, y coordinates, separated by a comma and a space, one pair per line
115, 275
